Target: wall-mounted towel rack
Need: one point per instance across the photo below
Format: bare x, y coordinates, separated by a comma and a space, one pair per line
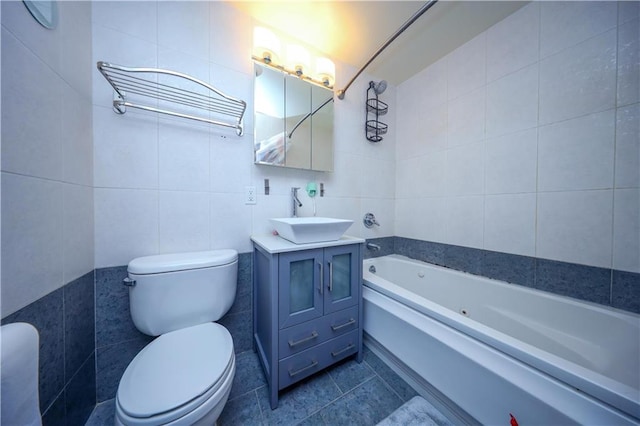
153, 89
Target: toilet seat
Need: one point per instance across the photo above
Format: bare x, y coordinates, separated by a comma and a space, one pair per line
176, 374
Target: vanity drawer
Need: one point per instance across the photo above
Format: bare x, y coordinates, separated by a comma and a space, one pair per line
303, 336
312, 360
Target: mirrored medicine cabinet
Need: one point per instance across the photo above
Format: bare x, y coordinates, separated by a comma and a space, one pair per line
293, 121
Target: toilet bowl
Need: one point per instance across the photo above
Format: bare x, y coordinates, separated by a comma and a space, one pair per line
184, 376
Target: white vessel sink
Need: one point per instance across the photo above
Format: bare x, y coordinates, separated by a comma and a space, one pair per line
305, 230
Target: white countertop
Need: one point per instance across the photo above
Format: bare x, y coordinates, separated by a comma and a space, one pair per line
275, 244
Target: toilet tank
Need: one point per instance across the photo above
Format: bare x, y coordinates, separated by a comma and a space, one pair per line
173, 291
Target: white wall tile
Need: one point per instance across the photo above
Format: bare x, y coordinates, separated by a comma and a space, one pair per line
231, 164
126, 225
430, 85
466, 118
77, 231
77, 138
512, 102
75, 55
32, 256
343, 208
183, 156
629, 62
626, 230
44, 43
422, 218
120, 49
384, 211
231, 37
267, 207
465, 170
510, 223
466, 67
628, 147
230, 222
575, 227
377, 178
34, 92
464, 221
125, 149
432, 126
565, 24
511, 163
183, 221
577, 154
422, 176
135, 18
193, 38
347, 179
580, 80
513, 42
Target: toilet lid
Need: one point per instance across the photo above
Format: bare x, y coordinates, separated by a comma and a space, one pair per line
174, 369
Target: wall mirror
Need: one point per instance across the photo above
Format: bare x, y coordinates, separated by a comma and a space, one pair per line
45, 12
293, 121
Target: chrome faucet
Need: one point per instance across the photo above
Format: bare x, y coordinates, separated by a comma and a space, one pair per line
372, 246
295, 202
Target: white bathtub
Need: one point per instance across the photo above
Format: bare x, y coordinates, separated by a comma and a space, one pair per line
495, 348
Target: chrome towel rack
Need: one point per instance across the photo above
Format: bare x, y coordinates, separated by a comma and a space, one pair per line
172, 93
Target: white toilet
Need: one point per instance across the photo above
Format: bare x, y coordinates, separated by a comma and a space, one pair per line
184, 376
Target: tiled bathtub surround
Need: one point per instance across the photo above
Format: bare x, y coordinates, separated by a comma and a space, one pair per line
118, 341
65, 321
524, 145
609, 287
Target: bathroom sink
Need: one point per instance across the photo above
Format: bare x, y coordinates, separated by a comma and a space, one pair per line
305, 230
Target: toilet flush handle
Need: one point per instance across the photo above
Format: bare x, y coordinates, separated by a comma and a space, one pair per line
129, 282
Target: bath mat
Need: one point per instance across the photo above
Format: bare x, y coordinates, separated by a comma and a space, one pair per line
412, 413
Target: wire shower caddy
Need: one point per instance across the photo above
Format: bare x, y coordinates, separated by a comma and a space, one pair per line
374, 128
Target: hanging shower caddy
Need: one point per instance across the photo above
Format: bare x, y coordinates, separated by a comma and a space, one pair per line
172, 93
374, 128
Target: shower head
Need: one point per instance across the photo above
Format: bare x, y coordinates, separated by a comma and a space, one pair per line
378, 87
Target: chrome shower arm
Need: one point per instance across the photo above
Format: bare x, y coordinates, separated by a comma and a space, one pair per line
406, 25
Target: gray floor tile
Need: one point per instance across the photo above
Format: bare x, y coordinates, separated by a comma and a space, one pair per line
249, 375
299, 401
103, 414
243, 410
365, 405
350, 374
401, 387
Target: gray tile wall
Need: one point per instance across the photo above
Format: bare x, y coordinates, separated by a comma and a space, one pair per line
608, 287
65, 321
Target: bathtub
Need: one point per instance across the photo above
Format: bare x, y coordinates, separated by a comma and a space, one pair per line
496, 349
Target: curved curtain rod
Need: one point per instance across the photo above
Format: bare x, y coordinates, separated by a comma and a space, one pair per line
406, 25
309, 115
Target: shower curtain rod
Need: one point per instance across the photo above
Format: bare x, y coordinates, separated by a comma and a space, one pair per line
406, 25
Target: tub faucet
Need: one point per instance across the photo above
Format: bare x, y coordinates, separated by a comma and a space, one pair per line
372, 246
295, 202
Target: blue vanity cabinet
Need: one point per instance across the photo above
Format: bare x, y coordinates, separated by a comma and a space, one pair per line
307, 306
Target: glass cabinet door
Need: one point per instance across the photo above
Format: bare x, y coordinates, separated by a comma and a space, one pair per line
300, 287
341, 278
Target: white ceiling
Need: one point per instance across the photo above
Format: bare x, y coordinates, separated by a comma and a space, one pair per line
352, 31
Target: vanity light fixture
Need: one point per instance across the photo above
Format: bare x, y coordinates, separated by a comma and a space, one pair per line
325, 71
298, 59
266, 49
266, 45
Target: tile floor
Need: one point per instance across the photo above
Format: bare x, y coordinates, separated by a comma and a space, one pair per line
345, 394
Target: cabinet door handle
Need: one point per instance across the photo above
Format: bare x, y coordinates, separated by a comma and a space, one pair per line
349, 347
314, 334
330, 276
321, 277
346, 324
303, 369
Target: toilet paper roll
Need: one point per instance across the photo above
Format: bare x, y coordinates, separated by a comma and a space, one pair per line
19, 375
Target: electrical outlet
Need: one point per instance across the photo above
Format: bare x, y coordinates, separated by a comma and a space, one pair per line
250, 194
